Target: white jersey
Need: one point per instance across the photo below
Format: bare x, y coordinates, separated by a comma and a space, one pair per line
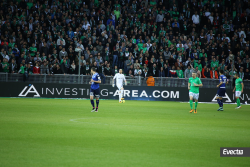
119, 79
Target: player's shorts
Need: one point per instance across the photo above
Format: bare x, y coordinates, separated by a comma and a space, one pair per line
119, 87
194, 95
221, 92
95, 92
237, 93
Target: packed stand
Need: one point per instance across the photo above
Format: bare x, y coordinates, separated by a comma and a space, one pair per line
144, 37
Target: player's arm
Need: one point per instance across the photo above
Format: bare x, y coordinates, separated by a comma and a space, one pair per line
113, 83
234, 88
200, 84
99, 81
125, 80
242, 87
220, 84
189, 86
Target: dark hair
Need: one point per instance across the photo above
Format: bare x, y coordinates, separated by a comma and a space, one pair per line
93, 69
237, 74
221, 71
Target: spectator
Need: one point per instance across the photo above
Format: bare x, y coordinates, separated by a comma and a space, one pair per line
150, 80
13, 66
128, 63
172, 72
161, 72
64, 66
130, 74
154, 70
108, 71
61, 41
195, 18
213, 73
188, 72
159, 18
62, 54
137, 71
36, 69
57, 70
241, 73
44, 69
72, 69
207, 73
179, 73
247, 75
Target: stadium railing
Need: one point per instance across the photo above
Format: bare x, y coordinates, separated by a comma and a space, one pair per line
85, 79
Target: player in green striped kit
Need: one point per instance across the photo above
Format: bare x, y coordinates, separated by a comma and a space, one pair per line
194, 84
238, 89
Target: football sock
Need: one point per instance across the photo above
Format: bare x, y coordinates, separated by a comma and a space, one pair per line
97, 103
196, 104
191, 104
221, 101
121, 93
120, 96
238, 102
92, 102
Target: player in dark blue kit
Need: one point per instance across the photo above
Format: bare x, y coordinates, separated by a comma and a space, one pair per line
222, 90
95, 89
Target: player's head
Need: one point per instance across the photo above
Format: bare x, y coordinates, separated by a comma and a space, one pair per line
221, 72
120, 71
236, 75
194, 74
93, 70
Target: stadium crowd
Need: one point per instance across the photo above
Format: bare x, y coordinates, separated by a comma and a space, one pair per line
165, 38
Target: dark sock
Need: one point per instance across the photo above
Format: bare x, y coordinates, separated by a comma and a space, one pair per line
221, 101
92, 102
97, 103
218, 101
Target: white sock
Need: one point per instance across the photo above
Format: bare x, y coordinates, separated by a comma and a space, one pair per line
121, 93
120, 96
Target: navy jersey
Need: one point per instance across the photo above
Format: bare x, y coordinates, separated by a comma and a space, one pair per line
223, 79
94, 85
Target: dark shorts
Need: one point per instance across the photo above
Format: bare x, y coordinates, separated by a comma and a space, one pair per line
221, 92
95, 92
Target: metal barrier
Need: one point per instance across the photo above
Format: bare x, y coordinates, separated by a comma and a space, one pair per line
132, 81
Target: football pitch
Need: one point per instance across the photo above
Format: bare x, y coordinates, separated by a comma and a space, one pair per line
59, 132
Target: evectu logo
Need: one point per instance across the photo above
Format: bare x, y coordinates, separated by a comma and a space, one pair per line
235, 151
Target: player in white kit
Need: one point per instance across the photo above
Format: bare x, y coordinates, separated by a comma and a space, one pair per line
119, 83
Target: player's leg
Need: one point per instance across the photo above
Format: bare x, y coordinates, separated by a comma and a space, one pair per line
222, 94
196, 97
120, 93
191, 101
97, 95
122, 90
92, 99
218, 98
219, 101
237, 96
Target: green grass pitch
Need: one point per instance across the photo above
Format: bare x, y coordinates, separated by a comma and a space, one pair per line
60, 132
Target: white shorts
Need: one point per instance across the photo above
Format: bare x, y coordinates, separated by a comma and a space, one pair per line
194, 95
119, 87
237, 93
